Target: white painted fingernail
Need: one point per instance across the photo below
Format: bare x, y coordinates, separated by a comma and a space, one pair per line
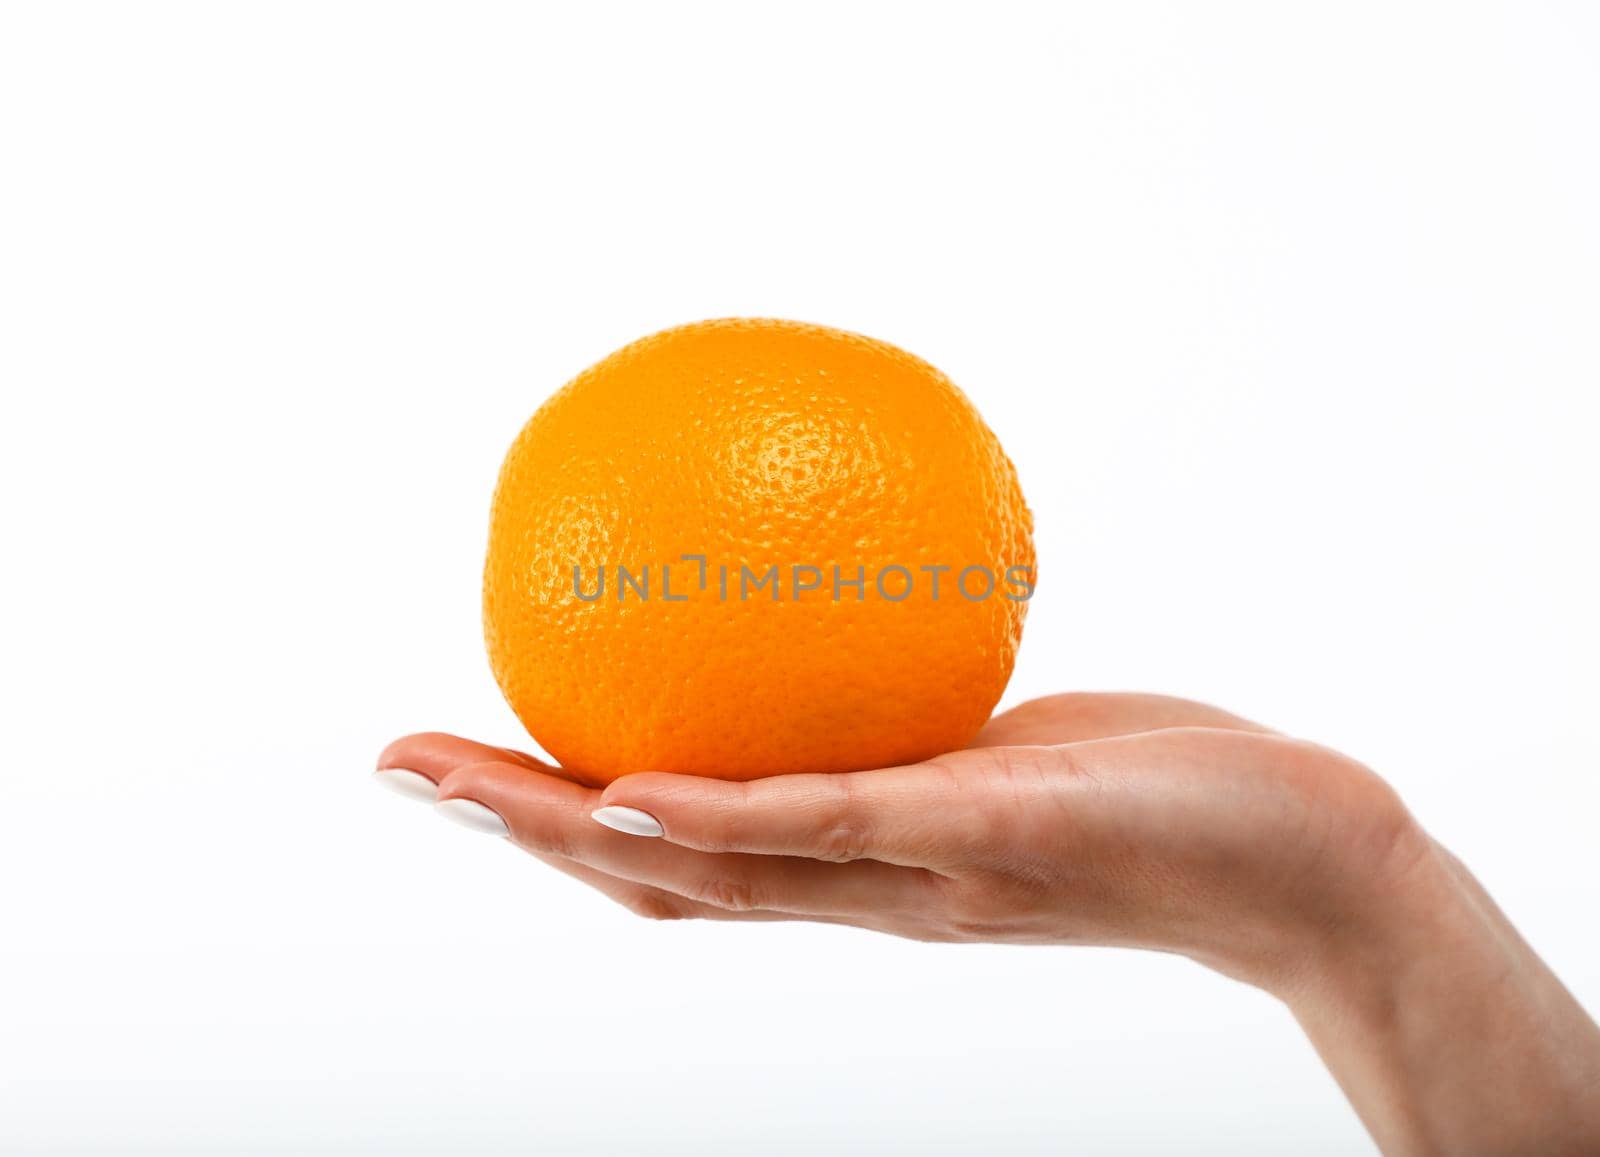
627, 819
470, 813
411, 784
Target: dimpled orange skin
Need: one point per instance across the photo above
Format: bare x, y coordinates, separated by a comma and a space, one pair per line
754, 443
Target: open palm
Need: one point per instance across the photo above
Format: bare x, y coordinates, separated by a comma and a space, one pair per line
1078, 818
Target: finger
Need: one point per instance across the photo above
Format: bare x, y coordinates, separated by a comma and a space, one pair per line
942, 815
1081, 715
915, 816
925, 815
651, 903
553, 816
434, 755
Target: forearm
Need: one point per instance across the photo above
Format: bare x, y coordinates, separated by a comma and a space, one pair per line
1445, 1030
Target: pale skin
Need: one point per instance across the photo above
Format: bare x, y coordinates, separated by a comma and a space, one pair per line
1130, 820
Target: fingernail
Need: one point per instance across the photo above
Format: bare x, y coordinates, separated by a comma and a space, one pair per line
411, 784
627, 819
472, 814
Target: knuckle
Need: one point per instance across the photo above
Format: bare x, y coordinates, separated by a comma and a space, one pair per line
968, 918
713, 820
845, 840
714, 839
728, 893
844, 831
978, 910
547, 839
654, 906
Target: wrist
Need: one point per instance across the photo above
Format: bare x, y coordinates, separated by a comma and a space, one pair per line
1380, 931
1443, 1027
1355, 922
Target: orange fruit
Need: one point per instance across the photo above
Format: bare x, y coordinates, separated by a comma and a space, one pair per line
745, 547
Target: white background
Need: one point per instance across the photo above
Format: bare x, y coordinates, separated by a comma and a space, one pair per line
1286, 313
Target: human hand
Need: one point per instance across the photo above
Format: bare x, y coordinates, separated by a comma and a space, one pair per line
1130, 820
1117, 819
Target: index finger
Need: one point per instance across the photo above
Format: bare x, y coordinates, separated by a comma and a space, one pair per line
896, 815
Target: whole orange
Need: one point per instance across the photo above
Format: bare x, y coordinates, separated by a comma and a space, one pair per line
745, 547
